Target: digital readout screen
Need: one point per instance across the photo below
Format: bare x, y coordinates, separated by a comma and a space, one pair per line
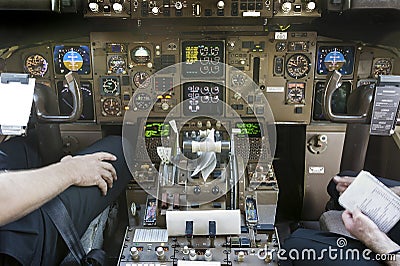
156, 129
250, 129
202, 98
203, 59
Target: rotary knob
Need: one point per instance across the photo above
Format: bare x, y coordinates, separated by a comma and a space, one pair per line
134, 253
94, 7
208, 255
220, 4
160, 253
117, 7
155, 10
178, 5
286, 7
240, 256
310, 6
192, 255
164, 106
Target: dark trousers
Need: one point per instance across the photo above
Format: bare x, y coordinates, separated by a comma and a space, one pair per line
304, 240
33, 239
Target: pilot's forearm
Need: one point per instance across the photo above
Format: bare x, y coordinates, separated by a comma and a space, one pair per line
381, 244
26, 190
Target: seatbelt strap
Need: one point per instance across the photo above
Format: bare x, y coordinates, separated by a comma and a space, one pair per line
62, 221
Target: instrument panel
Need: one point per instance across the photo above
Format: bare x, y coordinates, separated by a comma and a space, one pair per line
209, 76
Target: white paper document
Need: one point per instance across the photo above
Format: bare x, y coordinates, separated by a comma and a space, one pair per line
374, 199
15, 103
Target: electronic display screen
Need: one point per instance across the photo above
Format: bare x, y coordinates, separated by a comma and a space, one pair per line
340, 58
202, 98
250, 129
203, 59
65, 100
72, 58
339, 100
156, 129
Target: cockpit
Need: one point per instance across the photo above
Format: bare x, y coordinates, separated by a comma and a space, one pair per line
234, 115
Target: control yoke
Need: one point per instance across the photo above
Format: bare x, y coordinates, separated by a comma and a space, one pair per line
360, 100
333, 82
41, 100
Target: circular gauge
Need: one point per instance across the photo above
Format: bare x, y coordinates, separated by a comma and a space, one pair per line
238, 80
36, 65
382, 66
111, 106
117, 64
141, 80
295, 93
334, 60
143, 101
72, 58
298, 66
110, 85
140, 55
280, 46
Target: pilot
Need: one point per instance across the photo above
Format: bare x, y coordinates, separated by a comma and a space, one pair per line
86, 184
366, 232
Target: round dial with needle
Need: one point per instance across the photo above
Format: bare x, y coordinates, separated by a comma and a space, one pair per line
382, 66
111, 106
110, 86
298, 66
36, 65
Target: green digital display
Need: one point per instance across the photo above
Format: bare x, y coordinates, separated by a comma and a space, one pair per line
156, 129
250, 129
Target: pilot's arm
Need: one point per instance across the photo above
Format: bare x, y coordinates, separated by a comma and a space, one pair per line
26, 190
365, 230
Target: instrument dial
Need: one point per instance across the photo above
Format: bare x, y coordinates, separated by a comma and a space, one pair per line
382, 66
298, 66
36, 65
238, 80
117, 64
141, 55
111, 107
143, 101
141, 80
295, 93
110, 86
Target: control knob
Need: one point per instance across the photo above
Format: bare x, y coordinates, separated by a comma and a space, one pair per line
310, 6
220, 4
208, 255
94, 7
164, 106
155, 10
286, 7
178, 5
192, 254
240, 256
160, 253
134, 253
117, 7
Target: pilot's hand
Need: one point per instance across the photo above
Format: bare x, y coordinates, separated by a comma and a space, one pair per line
359, 225
342, 183
365, 230
91, 170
